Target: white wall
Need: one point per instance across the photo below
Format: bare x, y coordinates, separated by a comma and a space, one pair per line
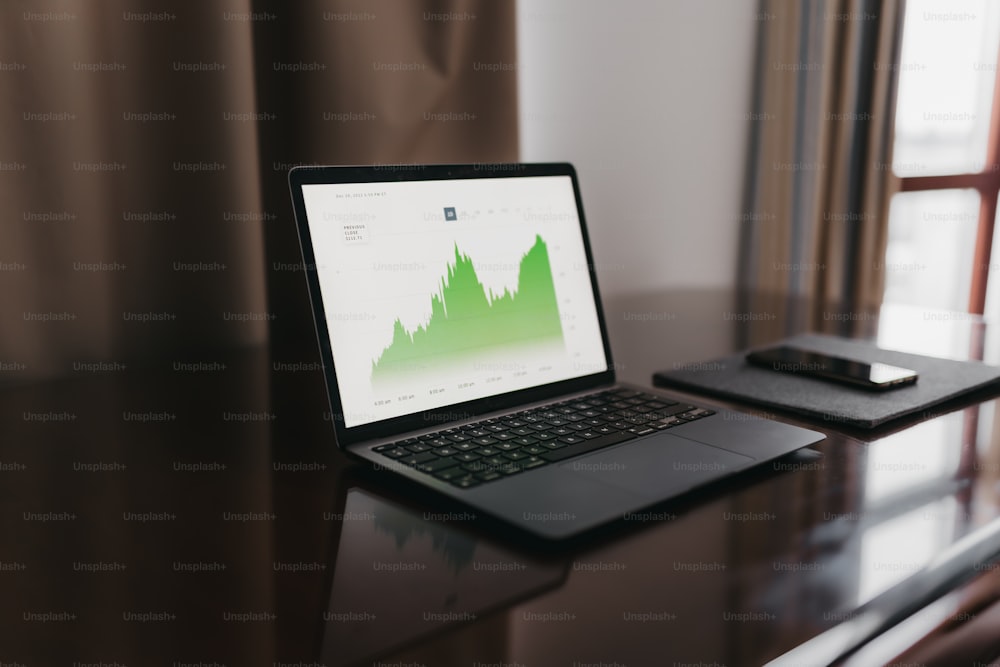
648, 98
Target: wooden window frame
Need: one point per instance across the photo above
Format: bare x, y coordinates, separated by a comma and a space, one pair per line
987, 183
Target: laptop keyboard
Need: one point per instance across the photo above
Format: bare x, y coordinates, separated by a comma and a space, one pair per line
491, 449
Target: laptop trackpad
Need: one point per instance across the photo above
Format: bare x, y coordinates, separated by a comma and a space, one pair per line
659, 466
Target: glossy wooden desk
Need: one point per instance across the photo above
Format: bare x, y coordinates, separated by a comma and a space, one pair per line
196, 513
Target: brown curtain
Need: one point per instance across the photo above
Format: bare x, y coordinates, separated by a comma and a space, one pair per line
144, 157
145, 219
819, 179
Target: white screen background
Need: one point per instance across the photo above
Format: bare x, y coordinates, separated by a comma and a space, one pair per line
382, 250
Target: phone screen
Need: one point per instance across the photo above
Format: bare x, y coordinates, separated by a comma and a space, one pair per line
877, 376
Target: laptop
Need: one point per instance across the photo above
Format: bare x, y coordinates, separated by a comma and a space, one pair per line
464, 348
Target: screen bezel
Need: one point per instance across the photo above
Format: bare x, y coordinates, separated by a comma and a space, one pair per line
438, 417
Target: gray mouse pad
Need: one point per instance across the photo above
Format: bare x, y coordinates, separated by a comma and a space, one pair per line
732, 377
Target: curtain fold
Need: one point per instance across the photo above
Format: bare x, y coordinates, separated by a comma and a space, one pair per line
125, 173
145, 219
418, 82
144, 159
820, 180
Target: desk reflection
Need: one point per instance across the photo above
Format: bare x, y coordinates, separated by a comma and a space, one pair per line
400, 575
736, 574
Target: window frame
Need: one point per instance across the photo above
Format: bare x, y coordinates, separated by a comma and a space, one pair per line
987, 183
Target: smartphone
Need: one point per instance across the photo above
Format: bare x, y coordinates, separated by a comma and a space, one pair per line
874, 376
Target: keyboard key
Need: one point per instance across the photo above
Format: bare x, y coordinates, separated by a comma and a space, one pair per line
487, 451
437, 464
585, 446
467, 457
546, 436
397, 453
465, 446
508, 446
627, 393
458, 437
419, 447
488, 476
526, 440
445, 451
423, 457
450, 473
504, 436
515, 456
571, 439
486, 440
465, 482
534, 450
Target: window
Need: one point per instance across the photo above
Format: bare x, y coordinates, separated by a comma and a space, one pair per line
946, 152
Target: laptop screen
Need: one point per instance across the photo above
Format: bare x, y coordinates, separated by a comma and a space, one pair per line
438, 292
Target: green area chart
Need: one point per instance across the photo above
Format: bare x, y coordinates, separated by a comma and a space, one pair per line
466, 323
